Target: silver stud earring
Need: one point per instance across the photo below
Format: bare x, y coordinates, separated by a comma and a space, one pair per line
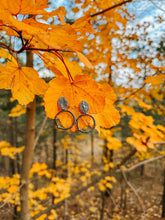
63, 104
84, 107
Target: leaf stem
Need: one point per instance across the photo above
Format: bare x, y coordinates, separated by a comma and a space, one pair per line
62, 59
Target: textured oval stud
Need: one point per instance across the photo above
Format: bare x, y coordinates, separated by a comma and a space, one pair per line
84, 107
63, 104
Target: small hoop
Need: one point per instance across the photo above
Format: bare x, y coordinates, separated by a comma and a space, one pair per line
84, 107
94, 123
60, 127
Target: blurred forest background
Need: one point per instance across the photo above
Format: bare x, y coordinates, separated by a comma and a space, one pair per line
116, 173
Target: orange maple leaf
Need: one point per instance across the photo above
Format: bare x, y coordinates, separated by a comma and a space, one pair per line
83, 87
155, 80
52, 62
109, 116
23, 6
83, 25
24, 82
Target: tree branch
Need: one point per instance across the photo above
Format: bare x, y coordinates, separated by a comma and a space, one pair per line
127, 157
110, 8
39, 132
131, 94
157, 6
143, 162
36, 49
133, 189
161, 142
12, 195
3, 45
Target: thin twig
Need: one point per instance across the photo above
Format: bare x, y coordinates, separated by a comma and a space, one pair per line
110, 8
161, 142
12, 195
39, 49
134, 190
131, 94
111, 197
56, 53
39, 132
143, 162
125, 159
157, 6
3, 45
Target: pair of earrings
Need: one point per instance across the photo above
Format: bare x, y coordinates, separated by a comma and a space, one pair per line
84, 107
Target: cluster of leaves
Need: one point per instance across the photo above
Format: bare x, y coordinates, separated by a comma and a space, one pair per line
57, 187
7, 150
34, 33
50, 185
38, 37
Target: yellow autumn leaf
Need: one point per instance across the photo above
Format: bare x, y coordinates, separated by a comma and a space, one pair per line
143, 104
113, 143
42, 217
12, 189
4, 144
126, 109
17, 111
83, 25
155, 80
102, 188
84, 60
24, 82
23, 7
37, 167
113, 179
109, 185
108, 178
161, 68
116, 218
5, 54
109, 116
92, 209
53, 215
11, 151
106, 168
83, 178
57, 66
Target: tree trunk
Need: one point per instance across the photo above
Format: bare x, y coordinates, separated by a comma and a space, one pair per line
54, 153
54, 146
163, 196
13, 162
92, 148
105, 149
28, 152
13, 141
142, 170
111, 152
102, 206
